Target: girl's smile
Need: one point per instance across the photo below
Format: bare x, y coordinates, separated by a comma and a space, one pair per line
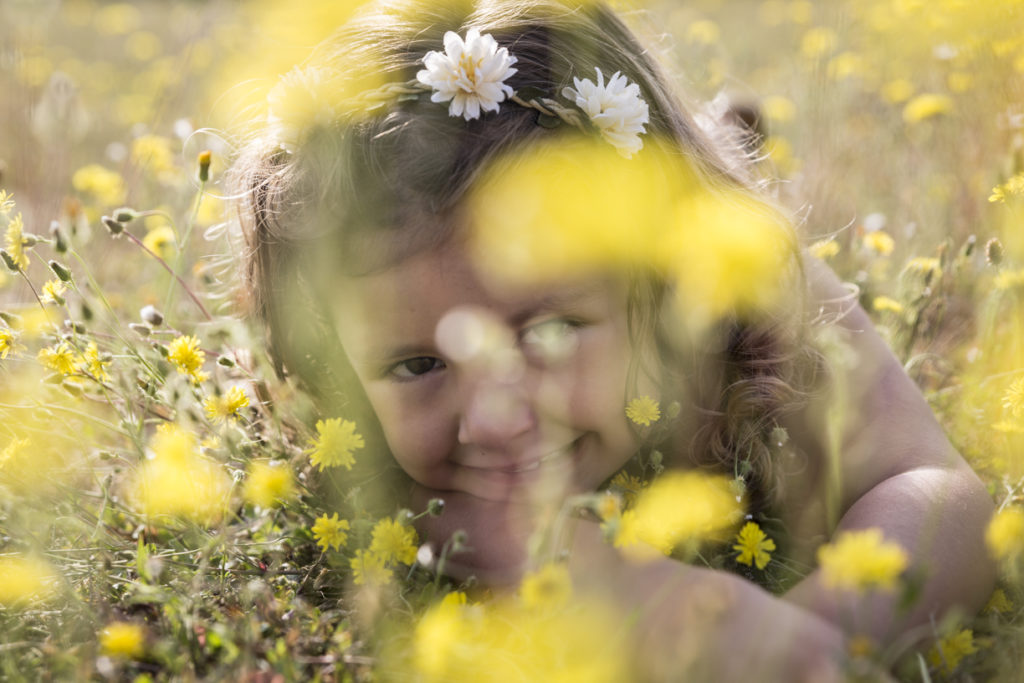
498, 394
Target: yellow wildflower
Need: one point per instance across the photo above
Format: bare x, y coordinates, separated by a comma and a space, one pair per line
94, 363
926, 266
15, 242
332, 447
53, 292
188, 358
25, 579
884, 304
628, 485
778, 108
896, 91
369, 568
393, 541
160, 241
926, 106
550, 587
153, 152
1009, 279
8, 339
106, 186
6, 202
330, 532
268, 484
1005, 534
861, 560
123, 640
643, 410
754, 546
1013, 399
220, 408
950, 651
1013, 186
818, 42
703, 32
879, 242
824, 249
60, 358
998, 603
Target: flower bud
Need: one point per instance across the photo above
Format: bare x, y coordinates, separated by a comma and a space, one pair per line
113, 226
60, 271
125, 215
225, 362
9, 261
205, 157
59, 243
435, 507
28, 240
141, 330
78, 327
151, 315
994, 252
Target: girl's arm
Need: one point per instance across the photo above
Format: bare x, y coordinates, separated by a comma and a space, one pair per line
895, 470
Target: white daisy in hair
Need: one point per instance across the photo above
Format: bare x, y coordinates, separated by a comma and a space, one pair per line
471, 73
616, 108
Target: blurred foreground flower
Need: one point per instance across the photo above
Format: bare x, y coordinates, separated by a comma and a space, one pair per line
947, 654
550, 587
268, 484
122, 640
333, 445
862, 560
25, 579
394, 542
1005, 534
179, 482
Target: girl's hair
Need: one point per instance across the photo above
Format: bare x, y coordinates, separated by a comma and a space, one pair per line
396, 174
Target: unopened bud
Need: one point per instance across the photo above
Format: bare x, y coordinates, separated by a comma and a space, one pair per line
141, 330
125, 215
11, 319
969, 245
205, 157
77, 327
994, 252
28, 240
59, 244
60, 271
9, 261
225, 362
151, 315
113, 226
459, 540
435, 507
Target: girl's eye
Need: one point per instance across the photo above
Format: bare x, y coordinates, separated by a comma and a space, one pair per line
551, 341
412, 368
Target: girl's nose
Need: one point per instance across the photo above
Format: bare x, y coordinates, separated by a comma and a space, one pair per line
494, 413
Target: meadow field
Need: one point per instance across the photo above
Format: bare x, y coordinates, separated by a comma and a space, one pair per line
171, 509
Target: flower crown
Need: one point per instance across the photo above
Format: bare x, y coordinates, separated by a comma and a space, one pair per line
470, 75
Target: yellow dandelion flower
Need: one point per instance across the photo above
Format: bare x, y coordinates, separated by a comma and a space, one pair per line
1013, 399
15, 242
94, 363
818, 42
332, 447
268, 484
879, 242
153, 152
897, 91
860, 560
220, 408
6, 202
1014, 185
1005, 534
330, 532
926, 106
703, 32
754, 546
824, 249
394, 542
998, 603
8, 342
188, 358
947, 654
160, 241
925, 266
60, 358
643, 410
778, 108
104, 185
368, 568
53, 292
885, 304
628, 485
998, 195
123, 640
550, 587
25, 579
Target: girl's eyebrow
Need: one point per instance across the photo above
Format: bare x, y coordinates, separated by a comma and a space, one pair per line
564, 298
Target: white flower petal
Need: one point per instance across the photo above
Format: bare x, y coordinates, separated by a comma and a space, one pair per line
615, 108
470, 72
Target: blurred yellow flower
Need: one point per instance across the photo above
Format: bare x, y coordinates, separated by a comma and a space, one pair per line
188, 358
15, 242
879, 242
60, 358
153, 153
703, 32
25, 579
1013, 399
104, 185
8, 342
1013, 186
330, 532
927, 267
1005, 534
94, 363
643, 410
220, 408
679, 510
818, 42
393, 541
1009, 279
862, 560
333, 445
947, 654
369, 568
609, 506
824, 249
630, 486
778, 108
550, 587
53, 292
926, 106
177, 481
897, 91
884, 304
160, 241
754, 546
268, 484
123, 640
998, 603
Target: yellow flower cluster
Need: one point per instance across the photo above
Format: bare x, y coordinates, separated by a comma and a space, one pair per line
188, 358
25, 579
862, 560
220, 408
334, 443
947, 654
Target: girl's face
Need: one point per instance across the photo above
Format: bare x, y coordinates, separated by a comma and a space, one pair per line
498, 394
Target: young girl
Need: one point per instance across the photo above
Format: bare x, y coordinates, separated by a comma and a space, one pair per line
413, 214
